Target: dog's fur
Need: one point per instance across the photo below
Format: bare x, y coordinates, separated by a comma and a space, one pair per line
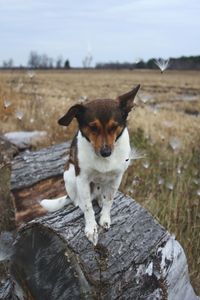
99, 155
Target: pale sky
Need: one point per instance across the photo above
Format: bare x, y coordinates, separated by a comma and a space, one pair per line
113, 30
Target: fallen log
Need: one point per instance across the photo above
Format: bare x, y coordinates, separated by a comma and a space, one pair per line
37, 175
136, 259
29, 168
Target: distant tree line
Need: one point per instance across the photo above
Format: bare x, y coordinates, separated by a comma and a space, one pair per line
181, 63
8, 64
43, 61
39, 61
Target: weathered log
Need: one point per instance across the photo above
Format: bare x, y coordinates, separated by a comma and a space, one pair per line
35, 176
136, 259
31, 167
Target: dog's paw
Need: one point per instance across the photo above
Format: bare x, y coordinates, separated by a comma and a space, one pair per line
91, 233
105, 221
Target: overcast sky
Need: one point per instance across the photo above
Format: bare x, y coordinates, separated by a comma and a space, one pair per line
112, 30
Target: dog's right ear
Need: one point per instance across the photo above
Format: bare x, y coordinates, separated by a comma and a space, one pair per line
126, 100
74, 112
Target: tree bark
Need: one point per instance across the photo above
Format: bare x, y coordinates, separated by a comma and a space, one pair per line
135, 259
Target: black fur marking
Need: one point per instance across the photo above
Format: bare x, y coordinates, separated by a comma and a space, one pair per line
120, 134
84, 136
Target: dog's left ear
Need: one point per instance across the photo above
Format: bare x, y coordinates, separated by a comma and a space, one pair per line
126, 100
74, 112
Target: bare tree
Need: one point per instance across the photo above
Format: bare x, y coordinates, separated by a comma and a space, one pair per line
8, 64
59, 62
44, 61
87, 60
39, 61
34, 60
51, 63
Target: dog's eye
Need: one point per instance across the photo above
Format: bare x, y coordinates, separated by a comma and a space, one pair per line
113, 128
94, 128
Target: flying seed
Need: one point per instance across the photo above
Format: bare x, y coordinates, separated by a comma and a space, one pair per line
136, 154
7, 103
170, 186
175, 143
137, 60
162, 64
196, 181
160, 181
146, 164
144, 98
31, 74
19, 115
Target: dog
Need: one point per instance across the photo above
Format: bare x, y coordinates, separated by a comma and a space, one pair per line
99, 155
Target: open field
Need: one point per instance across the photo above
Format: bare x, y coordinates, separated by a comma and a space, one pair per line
165, 125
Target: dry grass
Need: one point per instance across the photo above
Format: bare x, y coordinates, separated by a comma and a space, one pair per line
167, 180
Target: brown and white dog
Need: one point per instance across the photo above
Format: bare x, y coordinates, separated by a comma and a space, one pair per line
99, 155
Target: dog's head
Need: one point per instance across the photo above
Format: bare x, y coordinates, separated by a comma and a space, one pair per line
102, 122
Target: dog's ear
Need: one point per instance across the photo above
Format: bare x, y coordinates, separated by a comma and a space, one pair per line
74, 112
126, 100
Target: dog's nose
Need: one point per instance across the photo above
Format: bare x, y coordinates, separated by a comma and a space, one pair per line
105, 151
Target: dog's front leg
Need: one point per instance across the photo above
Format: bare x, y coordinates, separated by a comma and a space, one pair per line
85, 204
107, 200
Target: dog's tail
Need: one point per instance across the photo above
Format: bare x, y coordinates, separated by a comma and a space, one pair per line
52, 205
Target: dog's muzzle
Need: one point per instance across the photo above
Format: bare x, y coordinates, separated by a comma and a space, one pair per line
105, 151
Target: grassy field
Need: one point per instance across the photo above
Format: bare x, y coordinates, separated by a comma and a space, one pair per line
165, 125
